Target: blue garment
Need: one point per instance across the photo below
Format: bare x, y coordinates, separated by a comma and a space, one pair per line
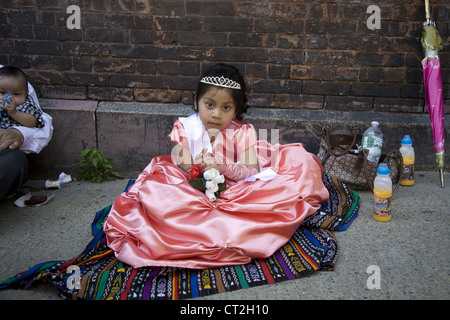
13, 171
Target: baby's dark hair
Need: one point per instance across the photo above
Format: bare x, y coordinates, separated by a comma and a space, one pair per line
229, 72
10, 71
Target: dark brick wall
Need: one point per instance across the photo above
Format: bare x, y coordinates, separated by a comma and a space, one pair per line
294, 54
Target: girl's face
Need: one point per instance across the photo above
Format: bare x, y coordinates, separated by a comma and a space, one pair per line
16, 87
216, 108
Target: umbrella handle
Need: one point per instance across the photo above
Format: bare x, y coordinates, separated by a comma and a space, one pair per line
427, 9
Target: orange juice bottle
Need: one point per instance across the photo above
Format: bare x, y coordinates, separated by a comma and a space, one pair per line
407, 151
382, 192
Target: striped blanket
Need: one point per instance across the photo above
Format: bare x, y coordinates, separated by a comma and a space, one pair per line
97, 275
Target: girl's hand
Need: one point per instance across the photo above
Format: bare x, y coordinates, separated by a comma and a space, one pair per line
207, 160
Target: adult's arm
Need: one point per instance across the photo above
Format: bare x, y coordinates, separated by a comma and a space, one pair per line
35, 139
10, 138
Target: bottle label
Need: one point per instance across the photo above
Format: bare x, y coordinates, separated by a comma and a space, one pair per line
371, 142
408, 172
382, 206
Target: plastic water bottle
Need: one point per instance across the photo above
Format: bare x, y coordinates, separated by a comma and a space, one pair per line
407, 151
382, 192
372, 140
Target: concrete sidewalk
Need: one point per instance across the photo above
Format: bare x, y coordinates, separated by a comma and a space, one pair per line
411, 251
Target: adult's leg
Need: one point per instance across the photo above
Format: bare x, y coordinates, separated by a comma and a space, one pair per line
13, 171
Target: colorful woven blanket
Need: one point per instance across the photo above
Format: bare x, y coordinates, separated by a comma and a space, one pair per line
97, 275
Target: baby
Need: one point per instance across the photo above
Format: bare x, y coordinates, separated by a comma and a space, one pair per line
17, 107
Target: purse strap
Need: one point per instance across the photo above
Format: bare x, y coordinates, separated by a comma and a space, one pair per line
326, 131
391, 155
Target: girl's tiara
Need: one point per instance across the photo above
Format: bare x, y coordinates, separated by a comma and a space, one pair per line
221, 82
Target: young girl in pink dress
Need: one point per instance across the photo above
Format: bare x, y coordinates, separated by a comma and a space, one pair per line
162, 220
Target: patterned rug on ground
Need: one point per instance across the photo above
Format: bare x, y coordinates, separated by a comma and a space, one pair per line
97, 275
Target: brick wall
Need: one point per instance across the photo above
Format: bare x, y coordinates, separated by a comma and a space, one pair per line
294, 54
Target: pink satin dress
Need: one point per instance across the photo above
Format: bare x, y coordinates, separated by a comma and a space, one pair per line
163, 221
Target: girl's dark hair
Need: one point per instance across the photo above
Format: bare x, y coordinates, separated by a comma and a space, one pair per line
10, 71
229, 72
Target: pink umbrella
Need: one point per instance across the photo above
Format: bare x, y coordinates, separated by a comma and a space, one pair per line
434, 100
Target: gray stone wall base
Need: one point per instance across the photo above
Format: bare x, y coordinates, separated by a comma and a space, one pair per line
133, 133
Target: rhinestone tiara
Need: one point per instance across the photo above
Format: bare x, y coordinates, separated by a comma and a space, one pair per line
221, 82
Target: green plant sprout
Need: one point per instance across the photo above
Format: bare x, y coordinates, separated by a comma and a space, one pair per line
95, 167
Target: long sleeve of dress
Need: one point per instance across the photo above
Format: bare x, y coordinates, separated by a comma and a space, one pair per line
237, 172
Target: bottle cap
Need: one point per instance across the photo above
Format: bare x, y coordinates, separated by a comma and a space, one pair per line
383, 169
406, 140
375, 123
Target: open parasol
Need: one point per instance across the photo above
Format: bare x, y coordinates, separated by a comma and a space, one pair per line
434, 100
